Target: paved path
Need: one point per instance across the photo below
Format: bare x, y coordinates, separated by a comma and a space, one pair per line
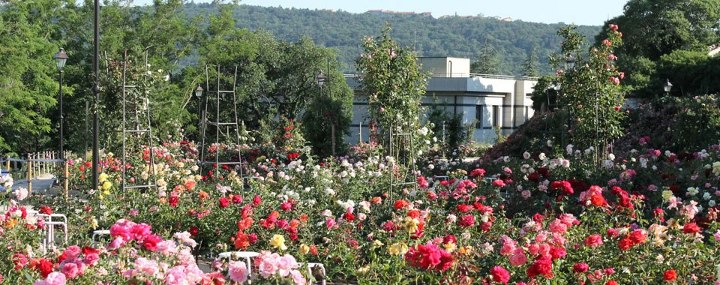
38, 185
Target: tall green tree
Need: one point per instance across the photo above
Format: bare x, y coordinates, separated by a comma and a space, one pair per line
279, 78
653, 28
530, 66
591, 91
28, 75
393, 82
487, 62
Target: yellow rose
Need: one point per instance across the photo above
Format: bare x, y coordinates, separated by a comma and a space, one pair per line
411, 225
398, 248
106, 185
102, 178
716, 168
450, 247
666, 195
377, 244
278, 241
304, 249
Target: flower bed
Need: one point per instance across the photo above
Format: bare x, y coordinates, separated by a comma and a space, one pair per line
528, 220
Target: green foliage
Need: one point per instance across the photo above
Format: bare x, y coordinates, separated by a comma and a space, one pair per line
591, 91
455, 132
652, 29
541, 91
394, 83
276, 77
488, 62
692, 73
28, 77
428, 36
697, 123
530, 66
333, 106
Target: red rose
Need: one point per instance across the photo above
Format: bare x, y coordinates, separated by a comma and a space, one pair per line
477, 172
593, 240
150, 242
237, 199
498, 183
399, 204
538, 218
580, 267
464, 208
257, 200
625, 243
224, 202
691, 228
466, 221
611, 282
286, 206
45, 210
349, 217
500, 274
542, 266
638, 237
45, 267
173, 201
670, 275
193, 231
89, 250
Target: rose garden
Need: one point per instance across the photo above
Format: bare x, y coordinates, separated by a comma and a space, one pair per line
602, 197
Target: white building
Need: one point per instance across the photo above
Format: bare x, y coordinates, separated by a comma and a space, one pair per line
486, 101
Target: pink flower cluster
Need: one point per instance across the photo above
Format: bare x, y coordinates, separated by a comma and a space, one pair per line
124, 231
272, 264
429, 257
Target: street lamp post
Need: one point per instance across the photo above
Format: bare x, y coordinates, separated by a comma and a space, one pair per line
61, 57
96, 93
321, 79
667, 87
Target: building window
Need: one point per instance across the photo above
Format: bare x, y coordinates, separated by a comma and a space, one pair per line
479, 116
495, 116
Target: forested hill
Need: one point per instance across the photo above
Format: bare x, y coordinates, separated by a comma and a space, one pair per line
444, 36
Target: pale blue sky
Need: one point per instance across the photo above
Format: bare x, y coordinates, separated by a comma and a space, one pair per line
580, 12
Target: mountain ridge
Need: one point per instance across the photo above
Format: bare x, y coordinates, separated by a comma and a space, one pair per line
451, 36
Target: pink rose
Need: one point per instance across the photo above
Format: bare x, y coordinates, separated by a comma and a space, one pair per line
518, 258
238, 271
298, 278
55, 278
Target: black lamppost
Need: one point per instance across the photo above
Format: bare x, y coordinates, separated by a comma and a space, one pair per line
96, 93
667, 87
198, 94
320, 79
61, 57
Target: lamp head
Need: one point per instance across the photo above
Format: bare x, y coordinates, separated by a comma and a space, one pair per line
668, 86
61, 57
198, 91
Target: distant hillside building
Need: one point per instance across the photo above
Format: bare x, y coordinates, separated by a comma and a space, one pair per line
485, 101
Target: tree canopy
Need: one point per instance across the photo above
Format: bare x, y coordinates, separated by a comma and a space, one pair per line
167, 52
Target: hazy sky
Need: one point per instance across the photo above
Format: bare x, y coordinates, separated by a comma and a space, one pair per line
580, 12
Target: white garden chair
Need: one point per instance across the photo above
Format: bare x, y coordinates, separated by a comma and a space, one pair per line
52, 221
